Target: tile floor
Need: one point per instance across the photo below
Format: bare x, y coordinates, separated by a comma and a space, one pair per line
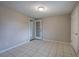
40, 48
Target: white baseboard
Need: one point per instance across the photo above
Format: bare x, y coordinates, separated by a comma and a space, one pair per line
14, 46
56, 41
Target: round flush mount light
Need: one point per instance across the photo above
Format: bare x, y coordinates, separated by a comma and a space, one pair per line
41, 8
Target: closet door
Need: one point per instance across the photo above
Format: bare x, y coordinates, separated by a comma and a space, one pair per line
74, 31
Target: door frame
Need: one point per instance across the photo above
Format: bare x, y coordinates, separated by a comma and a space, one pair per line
41, 29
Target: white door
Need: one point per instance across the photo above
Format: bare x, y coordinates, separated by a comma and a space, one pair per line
74, 34
38, 29
31, 29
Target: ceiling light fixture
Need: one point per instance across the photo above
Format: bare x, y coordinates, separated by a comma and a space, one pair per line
41, 8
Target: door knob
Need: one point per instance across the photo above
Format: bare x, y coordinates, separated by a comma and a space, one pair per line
76, 33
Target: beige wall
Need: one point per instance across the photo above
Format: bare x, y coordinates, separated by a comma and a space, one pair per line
57, 28
14, 28
75, 28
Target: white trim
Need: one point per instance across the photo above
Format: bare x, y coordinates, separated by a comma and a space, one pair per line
57, 41
14, 46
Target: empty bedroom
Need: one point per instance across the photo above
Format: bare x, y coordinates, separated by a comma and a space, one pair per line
39, 28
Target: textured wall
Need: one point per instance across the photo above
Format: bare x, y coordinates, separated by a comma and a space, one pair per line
57, 28
14, 28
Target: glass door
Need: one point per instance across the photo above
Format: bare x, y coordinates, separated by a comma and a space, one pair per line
38, 29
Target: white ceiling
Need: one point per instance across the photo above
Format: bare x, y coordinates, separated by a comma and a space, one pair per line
53, 7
